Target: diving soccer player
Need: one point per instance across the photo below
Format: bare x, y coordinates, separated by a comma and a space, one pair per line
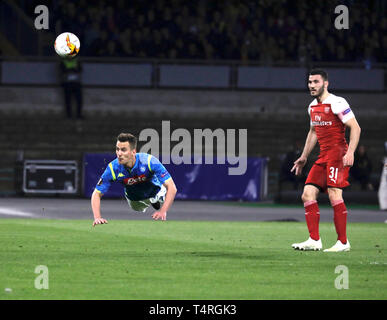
145, 179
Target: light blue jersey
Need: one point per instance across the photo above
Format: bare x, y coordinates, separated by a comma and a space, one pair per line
143, 181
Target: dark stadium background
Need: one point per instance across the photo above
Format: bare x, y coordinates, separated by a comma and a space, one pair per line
197, 64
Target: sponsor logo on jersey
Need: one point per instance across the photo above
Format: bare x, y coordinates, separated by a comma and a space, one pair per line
120, 175
142, 169
317, 121
321, 123
135, 180
326, 109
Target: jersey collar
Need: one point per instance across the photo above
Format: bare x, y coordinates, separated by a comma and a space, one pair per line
323, 102
135, 164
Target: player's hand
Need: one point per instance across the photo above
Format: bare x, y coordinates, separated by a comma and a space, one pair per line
159, 215
99, 221
348, 159
298, 165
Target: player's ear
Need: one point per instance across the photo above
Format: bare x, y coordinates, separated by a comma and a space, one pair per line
326, 84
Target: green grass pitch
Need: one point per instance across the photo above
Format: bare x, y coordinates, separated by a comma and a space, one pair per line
140, 260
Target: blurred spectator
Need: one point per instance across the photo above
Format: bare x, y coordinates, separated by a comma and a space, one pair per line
157, 44
362, 168
329, 53
353, 51
90, 36
99, 46
193, 51
70, 70
368, 58
172, 54
125, 43
180, 48
341, 56
110, 19
151, 20
138, 44
113, 49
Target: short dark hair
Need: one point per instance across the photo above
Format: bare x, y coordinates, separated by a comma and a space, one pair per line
321, 72
127, 137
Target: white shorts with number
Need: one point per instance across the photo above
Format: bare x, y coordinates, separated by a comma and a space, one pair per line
142, 205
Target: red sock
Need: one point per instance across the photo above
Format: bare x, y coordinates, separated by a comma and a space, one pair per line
340, 220
312, 217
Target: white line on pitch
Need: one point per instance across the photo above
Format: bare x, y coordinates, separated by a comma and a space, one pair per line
13, 212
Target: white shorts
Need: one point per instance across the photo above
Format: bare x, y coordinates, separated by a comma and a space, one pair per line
142, 205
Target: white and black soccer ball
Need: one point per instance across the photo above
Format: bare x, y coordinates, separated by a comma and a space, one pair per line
67, 45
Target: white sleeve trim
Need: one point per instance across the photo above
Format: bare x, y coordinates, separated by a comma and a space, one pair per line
341, 108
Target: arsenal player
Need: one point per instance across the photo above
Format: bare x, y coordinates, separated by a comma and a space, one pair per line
145, 179
329, 117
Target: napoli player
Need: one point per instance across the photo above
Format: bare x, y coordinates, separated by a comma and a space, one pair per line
329, 117
145, 179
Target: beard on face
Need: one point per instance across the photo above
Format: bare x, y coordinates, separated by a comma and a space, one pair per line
318, 93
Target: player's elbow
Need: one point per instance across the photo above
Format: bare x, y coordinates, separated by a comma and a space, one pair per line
356, 128
96, 194
172, 188
353, 125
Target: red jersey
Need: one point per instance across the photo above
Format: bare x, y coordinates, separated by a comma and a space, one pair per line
328, 119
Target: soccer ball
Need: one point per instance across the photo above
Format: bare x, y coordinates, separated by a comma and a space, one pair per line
67, 45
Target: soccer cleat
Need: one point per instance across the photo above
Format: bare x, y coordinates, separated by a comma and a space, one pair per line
308, 245
156, 205
339, 247
158, 199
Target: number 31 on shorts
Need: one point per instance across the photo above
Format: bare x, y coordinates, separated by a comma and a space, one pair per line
333, 173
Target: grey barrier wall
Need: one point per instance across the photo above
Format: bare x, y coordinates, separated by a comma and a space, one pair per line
356, 79
119, 74
194, 76
191, 76
100, 74
271, 78
29, 73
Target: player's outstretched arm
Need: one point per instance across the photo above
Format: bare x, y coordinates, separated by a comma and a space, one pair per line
96, 208
310, 143
169, 198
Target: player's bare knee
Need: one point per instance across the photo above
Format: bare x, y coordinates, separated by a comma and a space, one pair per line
335, 194
305, 197
309, 194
